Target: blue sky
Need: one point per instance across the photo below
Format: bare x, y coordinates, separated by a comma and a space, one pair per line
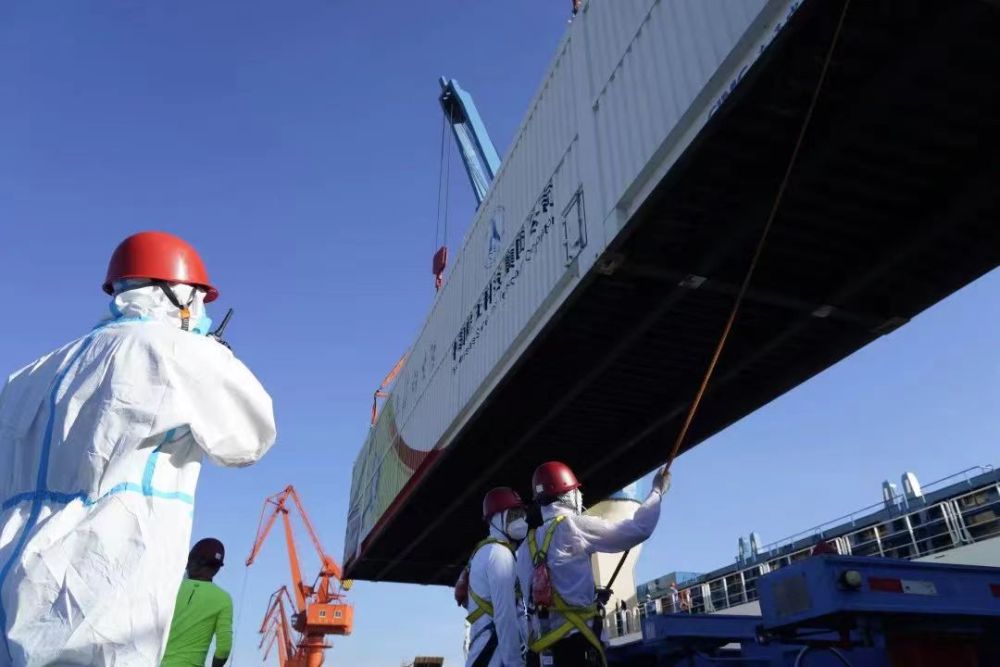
296, 144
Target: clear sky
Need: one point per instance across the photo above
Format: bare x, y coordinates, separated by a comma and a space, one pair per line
296, 144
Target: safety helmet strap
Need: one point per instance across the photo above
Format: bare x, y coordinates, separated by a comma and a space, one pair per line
185, 309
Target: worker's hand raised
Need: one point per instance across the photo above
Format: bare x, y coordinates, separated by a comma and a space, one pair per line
661, 481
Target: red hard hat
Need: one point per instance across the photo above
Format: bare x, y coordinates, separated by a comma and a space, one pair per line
500, 499
553, 479
159, 256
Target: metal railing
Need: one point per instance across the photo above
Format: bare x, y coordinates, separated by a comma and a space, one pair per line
627, 624
921, 531
907, 504
978, 513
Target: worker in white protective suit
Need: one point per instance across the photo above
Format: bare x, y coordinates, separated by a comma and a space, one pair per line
101, 444
489, 585
554, 570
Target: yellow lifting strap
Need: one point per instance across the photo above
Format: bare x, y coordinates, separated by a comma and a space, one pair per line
576, 617
483, 607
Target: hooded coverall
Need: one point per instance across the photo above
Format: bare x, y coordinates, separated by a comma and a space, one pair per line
101, 444
492, 578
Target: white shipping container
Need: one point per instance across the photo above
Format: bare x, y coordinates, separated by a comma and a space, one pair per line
632, 83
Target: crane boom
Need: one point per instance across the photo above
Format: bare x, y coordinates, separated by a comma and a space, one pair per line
293, 562
272, 607
269, 637
383, 388
264, 525
330, 566
275, 628
479, 155
276, 634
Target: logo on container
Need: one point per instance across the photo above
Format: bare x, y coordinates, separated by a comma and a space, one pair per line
494, 237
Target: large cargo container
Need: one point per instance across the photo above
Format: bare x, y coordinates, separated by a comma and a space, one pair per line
596, 275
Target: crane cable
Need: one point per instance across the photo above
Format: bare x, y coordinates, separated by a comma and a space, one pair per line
761, 243
444, 181
239, 616
693, 409
437, 218
447, 188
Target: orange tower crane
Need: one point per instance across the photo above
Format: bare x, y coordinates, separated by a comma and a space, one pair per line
275, 628
383, 389
320, 608
274, 634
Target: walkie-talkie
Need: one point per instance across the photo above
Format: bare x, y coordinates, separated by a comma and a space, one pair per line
217, 334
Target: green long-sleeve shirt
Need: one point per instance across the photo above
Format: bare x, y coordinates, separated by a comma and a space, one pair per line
202, 610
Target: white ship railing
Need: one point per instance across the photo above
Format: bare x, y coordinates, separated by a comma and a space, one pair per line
965, 476
973, 516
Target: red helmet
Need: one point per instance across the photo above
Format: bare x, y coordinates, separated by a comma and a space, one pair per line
500, 499
553, 479
158, 256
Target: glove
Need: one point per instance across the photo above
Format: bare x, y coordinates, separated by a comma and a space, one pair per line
661, 481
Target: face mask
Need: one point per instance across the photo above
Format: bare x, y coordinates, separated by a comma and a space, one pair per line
203, 326
573, 501
517, 530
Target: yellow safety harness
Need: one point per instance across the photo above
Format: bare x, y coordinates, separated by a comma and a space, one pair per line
483, 607
576, 617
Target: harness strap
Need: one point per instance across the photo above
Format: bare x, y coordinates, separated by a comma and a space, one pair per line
538, 555
483, 607
575, 617
486, 655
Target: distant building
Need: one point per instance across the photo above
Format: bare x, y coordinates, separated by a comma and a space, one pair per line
425, 662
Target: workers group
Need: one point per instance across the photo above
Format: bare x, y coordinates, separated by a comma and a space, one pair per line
530, 591
101, 444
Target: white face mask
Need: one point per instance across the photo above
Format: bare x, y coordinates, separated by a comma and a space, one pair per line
517, 529
572, 500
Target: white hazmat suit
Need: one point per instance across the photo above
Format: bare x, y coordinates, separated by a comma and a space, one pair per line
573, 542
101, 444
492, 577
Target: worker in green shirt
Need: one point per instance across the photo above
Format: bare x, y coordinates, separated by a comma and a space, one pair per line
202, 610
